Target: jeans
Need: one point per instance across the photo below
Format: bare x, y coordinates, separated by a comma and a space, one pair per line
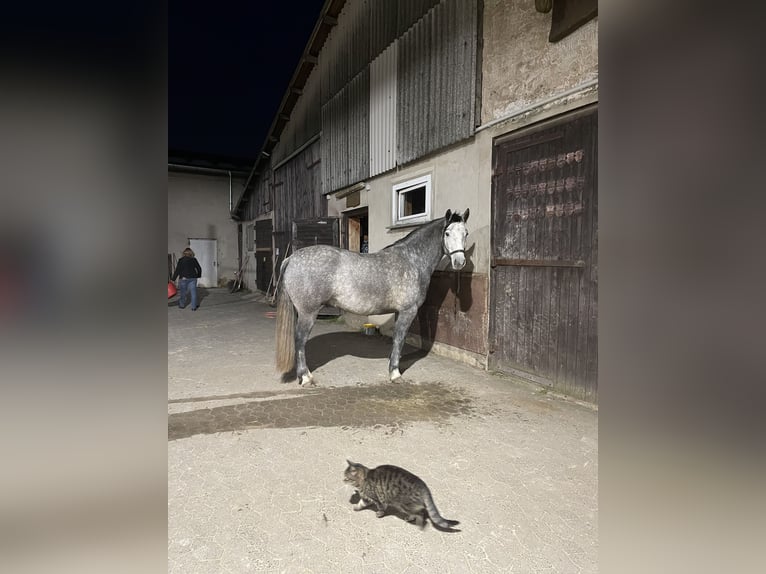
191, 285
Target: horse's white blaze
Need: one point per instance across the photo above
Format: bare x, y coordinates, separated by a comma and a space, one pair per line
454, 244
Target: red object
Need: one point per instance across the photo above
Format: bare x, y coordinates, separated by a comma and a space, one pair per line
171, 289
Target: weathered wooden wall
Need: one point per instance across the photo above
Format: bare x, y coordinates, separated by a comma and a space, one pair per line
297, 193
455, 311
259, 199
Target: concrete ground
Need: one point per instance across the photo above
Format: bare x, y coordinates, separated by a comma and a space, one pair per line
255, 466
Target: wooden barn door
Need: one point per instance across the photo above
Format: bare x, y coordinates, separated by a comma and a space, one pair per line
543, 303
317, 231
263, 253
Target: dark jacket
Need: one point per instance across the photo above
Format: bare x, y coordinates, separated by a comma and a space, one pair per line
187, 268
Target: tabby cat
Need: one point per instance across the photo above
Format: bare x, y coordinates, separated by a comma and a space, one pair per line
392, 487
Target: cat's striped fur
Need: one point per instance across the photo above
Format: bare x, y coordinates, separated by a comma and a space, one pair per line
390, 487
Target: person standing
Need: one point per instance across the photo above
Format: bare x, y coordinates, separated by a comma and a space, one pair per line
189, 270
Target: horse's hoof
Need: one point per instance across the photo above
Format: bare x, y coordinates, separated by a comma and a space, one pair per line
306, 380
395, 376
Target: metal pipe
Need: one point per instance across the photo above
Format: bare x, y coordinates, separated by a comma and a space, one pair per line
229, 192
200, 169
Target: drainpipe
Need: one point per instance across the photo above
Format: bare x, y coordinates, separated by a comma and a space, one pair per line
229, 172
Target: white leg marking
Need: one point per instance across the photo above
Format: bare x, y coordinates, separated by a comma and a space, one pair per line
306, 379
395, 374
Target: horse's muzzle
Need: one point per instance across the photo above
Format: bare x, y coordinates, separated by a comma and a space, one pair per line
457, 259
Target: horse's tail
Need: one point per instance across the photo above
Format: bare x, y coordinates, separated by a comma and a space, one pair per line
285, 325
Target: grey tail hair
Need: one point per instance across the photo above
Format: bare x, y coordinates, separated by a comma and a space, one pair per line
285, 355
434, 515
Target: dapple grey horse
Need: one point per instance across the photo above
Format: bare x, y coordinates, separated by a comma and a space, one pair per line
392, 280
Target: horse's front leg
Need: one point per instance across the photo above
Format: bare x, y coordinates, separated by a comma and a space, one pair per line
404, 319
302, 330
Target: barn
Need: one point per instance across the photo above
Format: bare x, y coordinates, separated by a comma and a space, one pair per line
399, 110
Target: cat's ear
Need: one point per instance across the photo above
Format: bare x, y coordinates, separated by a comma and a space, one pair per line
350, 463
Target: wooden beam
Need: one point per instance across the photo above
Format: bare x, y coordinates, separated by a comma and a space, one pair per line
500, 262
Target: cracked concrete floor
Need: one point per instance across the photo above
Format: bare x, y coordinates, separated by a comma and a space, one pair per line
255, 466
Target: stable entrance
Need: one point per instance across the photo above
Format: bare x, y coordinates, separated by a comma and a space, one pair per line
206, 252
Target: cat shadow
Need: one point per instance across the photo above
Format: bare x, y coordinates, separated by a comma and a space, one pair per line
355, 498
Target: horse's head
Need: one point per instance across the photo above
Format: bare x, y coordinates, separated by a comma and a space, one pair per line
455, 233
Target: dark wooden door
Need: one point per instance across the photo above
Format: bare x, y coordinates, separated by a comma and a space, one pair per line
263, 270
264, 267
317, 231
543, 302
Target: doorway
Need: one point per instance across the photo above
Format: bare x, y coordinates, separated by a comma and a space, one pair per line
356, 228
206, 252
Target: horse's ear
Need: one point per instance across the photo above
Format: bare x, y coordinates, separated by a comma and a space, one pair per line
448, 216
465, 215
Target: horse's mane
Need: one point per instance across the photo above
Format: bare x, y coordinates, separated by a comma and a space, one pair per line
416, 233
422, 229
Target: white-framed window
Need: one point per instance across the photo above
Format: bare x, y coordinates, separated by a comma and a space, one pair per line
412, 200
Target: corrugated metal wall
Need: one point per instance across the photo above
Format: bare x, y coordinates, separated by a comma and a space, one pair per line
383, 111
383, 21
347, 49
389, 101
366, 28
345, 134
305, 121
437, 79
409, 11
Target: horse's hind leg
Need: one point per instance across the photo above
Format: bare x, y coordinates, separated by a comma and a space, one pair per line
404, 319
302, 330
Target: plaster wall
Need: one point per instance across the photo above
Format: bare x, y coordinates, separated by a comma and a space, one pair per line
454, 185
520, 66
198, 208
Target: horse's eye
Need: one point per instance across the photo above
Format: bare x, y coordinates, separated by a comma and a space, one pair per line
447, 234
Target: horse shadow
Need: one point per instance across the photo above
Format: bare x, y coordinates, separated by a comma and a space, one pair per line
324, 348
457, 283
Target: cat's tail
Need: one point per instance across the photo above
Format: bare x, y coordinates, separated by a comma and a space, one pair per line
433, 513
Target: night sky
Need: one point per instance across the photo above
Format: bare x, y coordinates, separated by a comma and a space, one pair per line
228, 68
